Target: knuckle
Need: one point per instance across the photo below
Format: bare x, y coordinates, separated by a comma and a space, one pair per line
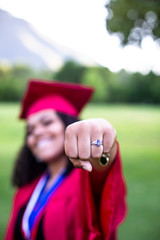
96, 155
84, 156
83, 126
97, 128
74, 156
70, 154
110, 131
69, 131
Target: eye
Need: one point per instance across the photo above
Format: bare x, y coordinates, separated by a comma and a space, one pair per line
47, 122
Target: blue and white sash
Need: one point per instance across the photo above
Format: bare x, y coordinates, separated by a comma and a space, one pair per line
38, 201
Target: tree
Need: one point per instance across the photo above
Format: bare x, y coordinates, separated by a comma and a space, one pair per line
70, 72
134, 19
97, 78
13, 80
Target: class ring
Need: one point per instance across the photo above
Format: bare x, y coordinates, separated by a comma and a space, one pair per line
104, 159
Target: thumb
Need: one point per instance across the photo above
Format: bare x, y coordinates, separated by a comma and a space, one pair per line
86, 165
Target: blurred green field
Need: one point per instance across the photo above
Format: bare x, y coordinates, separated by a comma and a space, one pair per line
138, 131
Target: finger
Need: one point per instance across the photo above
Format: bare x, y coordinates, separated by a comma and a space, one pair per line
96, 149
109, 138
83, 144
86, 165
70, 143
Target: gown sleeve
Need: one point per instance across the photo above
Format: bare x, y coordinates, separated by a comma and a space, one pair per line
113, 200
111, 212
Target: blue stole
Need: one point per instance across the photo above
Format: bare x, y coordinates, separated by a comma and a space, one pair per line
38, 201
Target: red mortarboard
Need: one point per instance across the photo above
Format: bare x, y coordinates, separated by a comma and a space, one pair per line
64, 97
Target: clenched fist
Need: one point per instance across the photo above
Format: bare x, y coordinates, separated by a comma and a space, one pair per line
79, 138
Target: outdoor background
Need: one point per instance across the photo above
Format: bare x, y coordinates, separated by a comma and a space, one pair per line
138, 132
111, 45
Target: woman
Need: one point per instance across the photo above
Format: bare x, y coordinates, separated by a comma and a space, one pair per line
54, 200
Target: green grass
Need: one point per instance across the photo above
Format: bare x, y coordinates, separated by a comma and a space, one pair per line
138, 131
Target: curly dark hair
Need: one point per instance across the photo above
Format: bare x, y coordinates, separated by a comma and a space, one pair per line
26, 167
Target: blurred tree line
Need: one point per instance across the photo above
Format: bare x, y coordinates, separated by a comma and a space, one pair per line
134, 20
119, 87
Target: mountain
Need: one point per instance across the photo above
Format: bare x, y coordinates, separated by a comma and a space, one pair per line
21, 43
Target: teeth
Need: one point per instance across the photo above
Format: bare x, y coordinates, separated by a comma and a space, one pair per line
43, 143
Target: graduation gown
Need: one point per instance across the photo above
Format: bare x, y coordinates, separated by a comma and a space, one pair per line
71, 212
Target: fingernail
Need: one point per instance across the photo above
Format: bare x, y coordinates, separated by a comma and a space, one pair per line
87, 166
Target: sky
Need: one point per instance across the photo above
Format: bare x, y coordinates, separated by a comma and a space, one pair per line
80, 25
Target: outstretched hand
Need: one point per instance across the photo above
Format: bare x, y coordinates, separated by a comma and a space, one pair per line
79, 137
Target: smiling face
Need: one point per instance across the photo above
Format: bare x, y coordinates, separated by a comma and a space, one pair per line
45, 135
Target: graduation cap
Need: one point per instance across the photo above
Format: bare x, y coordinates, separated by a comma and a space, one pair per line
68, 98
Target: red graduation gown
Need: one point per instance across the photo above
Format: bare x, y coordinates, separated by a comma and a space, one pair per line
71, 213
